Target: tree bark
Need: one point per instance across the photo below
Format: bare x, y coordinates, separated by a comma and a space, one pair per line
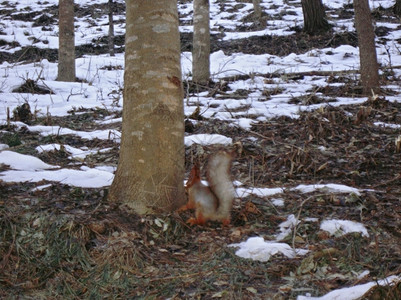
315, 21
150, 172
201, 43
369, 67
66, 50
397, 8
111, 28
257, 10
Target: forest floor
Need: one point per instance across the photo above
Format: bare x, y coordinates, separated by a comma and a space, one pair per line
67, 242
70, 242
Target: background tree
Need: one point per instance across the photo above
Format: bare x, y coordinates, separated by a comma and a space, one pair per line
257, 10
369, 68
314, 17
66, 49
150, 170
201, 43
111, 28
397, 7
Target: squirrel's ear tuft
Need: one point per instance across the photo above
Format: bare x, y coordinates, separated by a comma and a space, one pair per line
237, 148
194, 175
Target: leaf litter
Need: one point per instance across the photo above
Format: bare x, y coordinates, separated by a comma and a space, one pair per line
62, 241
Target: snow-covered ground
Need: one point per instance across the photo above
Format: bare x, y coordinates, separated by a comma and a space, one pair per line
100, 84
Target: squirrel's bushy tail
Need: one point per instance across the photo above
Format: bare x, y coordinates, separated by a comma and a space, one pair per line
218, 174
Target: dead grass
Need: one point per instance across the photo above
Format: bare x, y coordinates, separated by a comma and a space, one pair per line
67, 242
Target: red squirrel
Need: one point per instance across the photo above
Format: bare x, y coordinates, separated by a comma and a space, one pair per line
212, 202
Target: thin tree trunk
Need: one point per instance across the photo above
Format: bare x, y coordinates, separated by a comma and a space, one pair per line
369, 68
257, 10
315, 21
201, 43
66, 50
150, 170
111, 28
397, 8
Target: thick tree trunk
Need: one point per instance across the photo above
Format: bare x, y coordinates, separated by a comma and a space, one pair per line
66, 50
315, 21
201, 43
150, 171
369, 68
111, 28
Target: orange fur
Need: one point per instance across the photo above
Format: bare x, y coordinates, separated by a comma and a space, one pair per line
213, 201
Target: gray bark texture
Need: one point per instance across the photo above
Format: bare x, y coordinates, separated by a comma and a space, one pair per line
397, 8
201, 43
257, 10
150, 172
369, 68
315, 21
66, 50
111, 28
